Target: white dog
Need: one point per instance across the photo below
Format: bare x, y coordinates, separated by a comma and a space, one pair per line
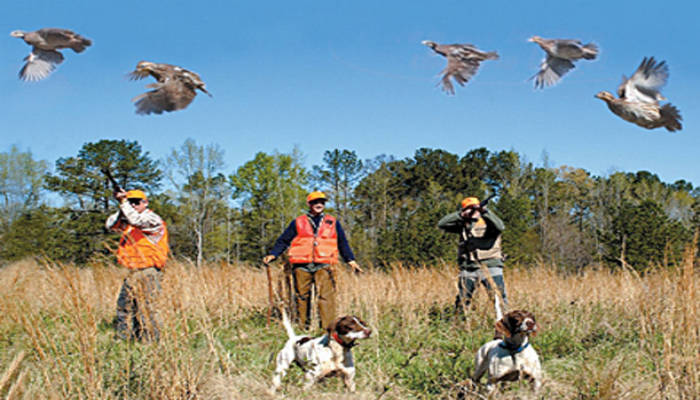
512, 357
323, 355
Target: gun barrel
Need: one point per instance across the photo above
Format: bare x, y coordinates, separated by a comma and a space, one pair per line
485, 201
115, 184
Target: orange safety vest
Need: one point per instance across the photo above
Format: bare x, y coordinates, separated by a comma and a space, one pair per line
137, 252
320, 248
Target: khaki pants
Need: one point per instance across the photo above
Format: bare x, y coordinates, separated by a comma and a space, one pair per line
137, 317
325, 289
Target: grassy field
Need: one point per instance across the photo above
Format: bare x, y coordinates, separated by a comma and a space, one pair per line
604, 335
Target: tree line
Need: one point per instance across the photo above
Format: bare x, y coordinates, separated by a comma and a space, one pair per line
559, 215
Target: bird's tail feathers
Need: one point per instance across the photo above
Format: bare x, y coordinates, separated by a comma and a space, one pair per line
80, 44
590, 51
491, 55
672, 117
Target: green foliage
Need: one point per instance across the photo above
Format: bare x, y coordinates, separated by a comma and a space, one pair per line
57, 234
642, 235
80, 179
561, 215
201, 194
21, 180
340, 172
271, 189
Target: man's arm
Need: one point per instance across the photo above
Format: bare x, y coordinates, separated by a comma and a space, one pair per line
114, 222
285, 239
452, 222
148, 221
343, 245
493, 221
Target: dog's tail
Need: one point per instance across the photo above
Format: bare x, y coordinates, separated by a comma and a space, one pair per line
287, 324
497, 304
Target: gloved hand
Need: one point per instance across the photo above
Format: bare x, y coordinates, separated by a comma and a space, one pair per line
355, 266
268, 259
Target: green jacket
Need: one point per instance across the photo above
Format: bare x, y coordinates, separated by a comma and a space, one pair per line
479, 241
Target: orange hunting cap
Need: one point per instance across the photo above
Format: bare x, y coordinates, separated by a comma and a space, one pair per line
316, 196
136, 194
469, 201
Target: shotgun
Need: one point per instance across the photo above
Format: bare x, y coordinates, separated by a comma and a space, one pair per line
115, 184
485, 201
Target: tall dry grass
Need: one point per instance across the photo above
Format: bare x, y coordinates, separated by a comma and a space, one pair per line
605, 335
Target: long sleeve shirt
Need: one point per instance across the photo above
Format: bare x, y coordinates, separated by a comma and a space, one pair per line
489, 242
285, 240
147, 221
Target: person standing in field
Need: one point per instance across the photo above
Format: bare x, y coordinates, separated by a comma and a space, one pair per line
143, 249
479, 245
314, 241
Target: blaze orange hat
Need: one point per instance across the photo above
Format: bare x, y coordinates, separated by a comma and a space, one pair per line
469, 201
136, 194
316, 196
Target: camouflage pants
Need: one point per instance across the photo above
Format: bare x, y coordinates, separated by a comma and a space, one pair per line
325, 289
137, 317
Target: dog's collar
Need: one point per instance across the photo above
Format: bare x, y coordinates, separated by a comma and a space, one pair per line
513, 349
335, 337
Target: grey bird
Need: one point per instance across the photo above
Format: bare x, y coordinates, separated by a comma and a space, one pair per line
174, 90
639, 98
44, 58
561, 54
463, 61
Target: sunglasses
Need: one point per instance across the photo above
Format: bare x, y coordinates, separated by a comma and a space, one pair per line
134, 202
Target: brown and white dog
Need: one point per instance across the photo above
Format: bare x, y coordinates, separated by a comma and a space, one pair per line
323, 355
512, 357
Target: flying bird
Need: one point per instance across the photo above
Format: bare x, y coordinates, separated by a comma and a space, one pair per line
463, 61
561, 54
174, 90
44, 58
639, 98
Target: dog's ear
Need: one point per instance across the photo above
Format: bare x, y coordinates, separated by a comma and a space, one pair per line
502, 328
536, 326
536, 329
333, 327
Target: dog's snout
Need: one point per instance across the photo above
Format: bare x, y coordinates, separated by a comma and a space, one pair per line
531, 325
368, 332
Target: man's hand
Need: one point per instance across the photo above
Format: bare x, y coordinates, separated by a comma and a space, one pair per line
120, 195
268, 259
355, 266
472, 213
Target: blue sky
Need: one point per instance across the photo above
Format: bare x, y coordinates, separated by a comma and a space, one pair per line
353, 75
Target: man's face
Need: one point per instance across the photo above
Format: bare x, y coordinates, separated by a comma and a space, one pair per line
139, 204
316, 207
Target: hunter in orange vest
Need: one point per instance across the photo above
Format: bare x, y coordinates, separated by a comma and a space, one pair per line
314, 241
143, 249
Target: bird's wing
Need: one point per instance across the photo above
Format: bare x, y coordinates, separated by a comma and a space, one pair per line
646, 83
152, 102
181, 95
460, 70
56, 38
170, 95
40, 64
193, 81
551, 71
469, 52
568, 49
